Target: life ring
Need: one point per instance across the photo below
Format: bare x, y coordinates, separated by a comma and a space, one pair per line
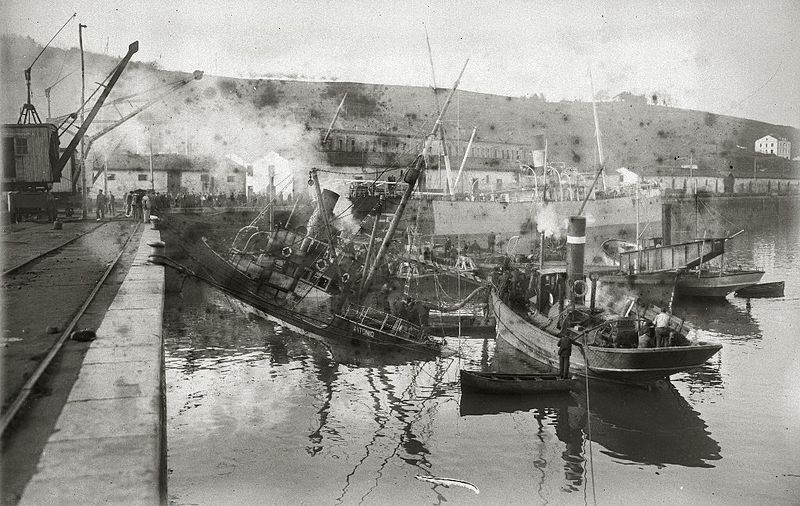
579, 288
286, 251
345, 277
321, 264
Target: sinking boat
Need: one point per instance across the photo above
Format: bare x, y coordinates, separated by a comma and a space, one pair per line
513, 383
606, 344
302, 278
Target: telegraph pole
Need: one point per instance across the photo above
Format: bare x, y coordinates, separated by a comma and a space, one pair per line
83, 143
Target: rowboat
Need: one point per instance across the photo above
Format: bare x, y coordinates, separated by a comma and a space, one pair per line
774, 289
513, 383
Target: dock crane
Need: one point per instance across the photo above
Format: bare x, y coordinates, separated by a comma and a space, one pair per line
28, 114
32, 157
163, 91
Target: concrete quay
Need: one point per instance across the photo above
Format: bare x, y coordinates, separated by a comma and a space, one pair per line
109, 443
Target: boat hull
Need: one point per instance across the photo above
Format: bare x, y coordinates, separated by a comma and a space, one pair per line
498, 383
657, 286
474, 220
774, 289
710, 284
622, 365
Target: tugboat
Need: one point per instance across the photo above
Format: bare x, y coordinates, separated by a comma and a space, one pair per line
606, 345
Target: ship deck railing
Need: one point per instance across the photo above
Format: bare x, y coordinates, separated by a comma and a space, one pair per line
383, 322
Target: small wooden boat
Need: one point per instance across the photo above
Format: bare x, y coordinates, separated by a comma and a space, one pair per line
774, 289
512, 383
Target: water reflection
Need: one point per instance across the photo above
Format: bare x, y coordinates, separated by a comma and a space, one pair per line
720, 316
402, 421
556, 409
653, 427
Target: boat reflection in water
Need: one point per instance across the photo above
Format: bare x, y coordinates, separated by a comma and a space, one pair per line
651, 427
731, 318
656, 426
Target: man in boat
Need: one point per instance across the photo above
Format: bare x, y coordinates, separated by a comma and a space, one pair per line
399, 308
382, 299
662, 329
564, 352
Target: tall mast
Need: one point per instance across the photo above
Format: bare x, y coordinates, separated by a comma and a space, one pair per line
330, 127
445, 155
599, 147
411, 179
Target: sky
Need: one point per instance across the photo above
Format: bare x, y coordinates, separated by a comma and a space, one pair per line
738, 58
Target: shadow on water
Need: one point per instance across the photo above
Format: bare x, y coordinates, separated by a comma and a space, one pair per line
635, 425
720, 316
655, 426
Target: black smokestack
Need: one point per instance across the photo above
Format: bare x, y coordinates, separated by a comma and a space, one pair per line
576, 242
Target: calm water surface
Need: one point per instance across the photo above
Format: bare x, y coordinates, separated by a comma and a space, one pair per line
257, 415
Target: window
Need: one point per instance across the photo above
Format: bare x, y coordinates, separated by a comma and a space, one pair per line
142, 177
249, 170
20, 146
111, 177
231, 179
204, 177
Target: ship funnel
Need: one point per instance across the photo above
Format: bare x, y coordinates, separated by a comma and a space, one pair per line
316, 223
576, 243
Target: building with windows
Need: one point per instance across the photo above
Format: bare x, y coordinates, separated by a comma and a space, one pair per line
167, 173
772, 145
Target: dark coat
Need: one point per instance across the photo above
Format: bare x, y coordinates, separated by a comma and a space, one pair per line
564, 346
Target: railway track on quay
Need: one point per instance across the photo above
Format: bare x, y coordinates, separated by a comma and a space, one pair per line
54, 286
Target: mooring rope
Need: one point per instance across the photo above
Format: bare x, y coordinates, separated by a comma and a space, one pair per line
588, 415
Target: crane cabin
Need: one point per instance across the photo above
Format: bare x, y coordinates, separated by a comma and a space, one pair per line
30, 156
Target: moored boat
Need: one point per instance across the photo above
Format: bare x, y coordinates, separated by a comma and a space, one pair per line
693, 268
513, 383
606, 346
774, 289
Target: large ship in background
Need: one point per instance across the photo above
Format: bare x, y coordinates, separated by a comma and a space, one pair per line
517, 216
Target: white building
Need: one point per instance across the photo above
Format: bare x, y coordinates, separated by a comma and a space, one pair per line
281, 169
771, 145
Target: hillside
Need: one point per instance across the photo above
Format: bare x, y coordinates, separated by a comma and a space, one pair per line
253, 116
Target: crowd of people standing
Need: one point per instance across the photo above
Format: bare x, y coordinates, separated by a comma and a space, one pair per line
138, 203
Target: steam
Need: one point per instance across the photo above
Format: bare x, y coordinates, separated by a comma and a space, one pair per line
549, 222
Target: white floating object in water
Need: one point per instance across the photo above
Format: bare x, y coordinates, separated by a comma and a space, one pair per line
449, 481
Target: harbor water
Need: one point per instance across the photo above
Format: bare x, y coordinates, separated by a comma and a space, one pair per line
258, 415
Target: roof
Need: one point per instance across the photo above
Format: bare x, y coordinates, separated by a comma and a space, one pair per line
168, 162
784, 139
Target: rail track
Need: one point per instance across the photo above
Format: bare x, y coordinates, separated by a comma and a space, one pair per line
59, 246
60, 263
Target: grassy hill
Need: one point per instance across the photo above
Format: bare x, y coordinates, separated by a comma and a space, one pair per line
251, 117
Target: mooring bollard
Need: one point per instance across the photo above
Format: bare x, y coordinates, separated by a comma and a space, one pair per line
156, 252
154, 220
57, 225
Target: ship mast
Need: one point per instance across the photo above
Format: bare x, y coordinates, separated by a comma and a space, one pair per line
411, 179
599, 147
